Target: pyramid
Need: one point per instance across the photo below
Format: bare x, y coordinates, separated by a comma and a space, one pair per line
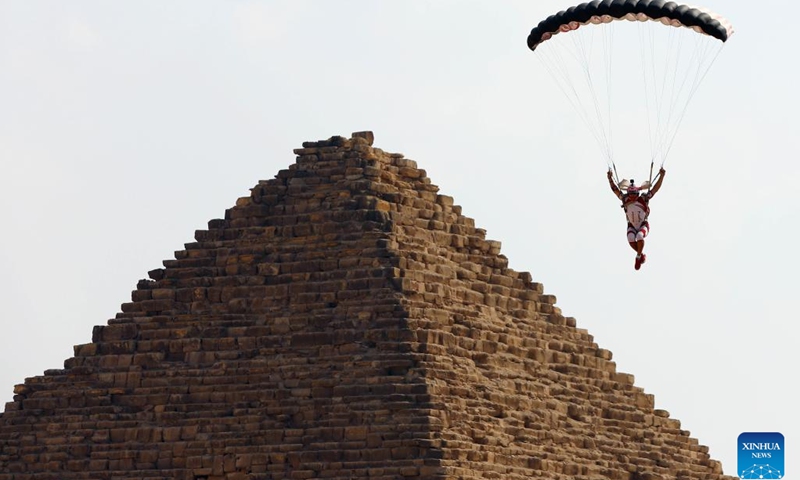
345, 321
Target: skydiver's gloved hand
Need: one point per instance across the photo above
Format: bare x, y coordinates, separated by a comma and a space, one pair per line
661, 171
609, 174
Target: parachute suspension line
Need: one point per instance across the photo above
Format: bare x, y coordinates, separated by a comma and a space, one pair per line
670, 84
655, 84
658, 77
652, 87
698, 80
668, 134
662, 125
652, 45
604, 125
646, 92
555, 65
554, 58
608, 40
700, 57
676, 96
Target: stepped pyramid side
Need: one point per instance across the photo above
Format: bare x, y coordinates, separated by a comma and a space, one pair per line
518, 390
343, 321
275, 346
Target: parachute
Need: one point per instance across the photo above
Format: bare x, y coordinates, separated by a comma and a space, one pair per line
673, 45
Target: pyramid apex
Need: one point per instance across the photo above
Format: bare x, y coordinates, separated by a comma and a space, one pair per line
366, 135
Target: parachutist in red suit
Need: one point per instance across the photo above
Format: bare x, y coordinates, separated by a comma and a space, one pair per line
635, 201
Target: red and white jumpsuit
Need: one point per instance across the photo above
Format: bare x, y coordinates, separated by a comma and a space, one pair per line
637, 211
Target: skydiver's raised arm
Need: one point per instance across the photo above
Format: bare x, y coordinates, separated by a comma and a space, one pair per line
660, 180
614, 187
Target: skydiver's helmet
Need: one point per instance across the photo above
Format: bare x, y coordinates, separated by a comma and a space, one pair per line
632, 190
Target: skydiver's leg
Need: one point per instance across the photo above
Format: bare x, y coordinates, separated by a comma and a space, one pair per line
640, 234
632, 238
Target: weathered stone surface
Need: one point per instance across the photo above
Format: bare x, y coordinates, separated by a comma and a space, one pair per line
344, 321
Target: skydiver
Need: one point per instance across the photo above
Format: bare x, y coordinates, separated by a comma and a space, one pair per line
636, 201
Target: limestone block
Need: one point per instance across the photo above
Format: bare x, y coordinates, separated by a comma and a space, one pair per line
365, 135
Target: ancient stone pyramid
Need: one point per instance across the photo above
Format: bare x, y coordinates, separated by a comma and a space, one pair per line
343, 321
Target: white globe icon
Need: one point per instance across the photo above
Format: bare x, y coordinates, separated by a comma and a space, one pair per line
761, 471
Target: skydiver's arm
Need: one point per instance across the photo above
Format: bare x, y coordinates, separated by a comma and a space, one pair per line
614, 187
655, 188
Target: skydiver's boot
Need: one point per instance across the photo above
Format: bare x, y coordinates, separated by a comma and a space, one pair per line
644, 257
639, 261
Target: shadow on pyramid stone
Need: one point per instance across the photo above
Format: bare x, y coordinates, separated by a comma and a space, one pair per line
343, 321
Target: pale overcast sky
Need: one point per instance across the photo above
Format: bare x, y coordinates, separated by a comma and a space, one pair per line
126, 126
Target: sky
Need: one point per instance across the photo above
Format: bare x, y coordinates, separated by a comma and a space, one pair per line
126, 126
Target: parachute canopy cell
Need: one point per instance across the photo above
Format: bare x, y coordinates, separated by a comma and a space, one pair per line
605, 11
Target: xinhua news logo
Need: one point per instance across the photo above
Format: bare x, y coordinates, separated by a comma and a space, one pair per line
761, 455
